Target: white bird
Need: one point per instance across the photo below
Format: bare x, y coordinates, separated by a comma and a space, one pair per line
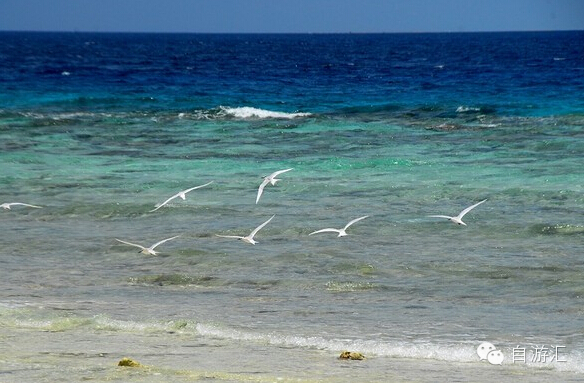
458, 218
148, 250
271, 179
181, 194
7, 205
249, 238
342, 232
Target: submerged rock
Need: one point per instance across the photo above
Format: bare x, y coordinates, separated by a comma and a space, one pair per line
558, 229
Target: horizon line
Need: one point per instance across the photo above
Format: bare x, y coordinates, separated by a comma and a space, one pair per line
286, 33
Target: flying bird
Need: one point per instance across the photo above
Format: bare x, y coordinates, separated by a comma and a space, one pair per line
181, 194
342, 232
271, 179
8, 205
249, 238
148, 250
458, 218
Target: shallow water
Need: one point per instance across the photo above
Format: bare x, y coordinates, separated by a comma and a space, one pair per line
415, 294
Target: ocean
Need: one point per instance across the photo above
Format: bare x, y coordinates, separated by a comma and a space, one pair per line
99, 129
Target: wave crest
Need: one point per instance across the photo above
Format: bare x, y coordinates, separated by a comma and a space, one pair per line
467, 109
246, 112
465, 352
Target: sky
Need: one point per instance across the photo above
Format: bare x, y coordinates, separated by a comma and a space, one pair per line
290, 16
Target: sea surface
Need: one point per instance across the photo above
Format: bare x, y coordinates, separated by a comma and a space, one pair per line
99, 129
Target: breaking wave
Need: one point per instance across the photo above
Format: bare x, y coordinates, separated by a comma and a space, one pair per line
25, 316
424, 350
246, 112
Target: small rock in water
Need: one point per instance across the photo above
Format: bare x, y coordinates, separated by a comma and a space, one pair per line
351, 355
127, 362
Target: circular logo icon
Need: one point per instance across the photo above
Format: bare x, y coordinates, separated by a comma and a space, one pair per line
495, 357
484, 349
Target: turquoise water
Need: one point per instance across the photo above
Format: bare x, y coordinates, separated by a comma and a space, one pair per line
415, 294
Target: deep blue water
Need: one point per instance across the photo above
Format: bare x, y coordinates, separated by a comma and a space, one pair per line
523, 74
99, 128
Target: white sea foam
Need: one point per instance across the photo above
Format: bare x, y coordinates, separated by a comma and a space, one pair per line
66, 115
467, 109
462, 352
243, 113
249, 112
425, 350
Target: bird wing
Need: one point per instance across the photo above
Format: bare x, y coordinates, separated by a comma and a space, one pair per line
196, 187
131, 244
275, 174
441, 216
254, 232
20, 203
325, 230
165, 202
179, 194
229, 236
261, 188
462, 213
161, 242
355, 220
